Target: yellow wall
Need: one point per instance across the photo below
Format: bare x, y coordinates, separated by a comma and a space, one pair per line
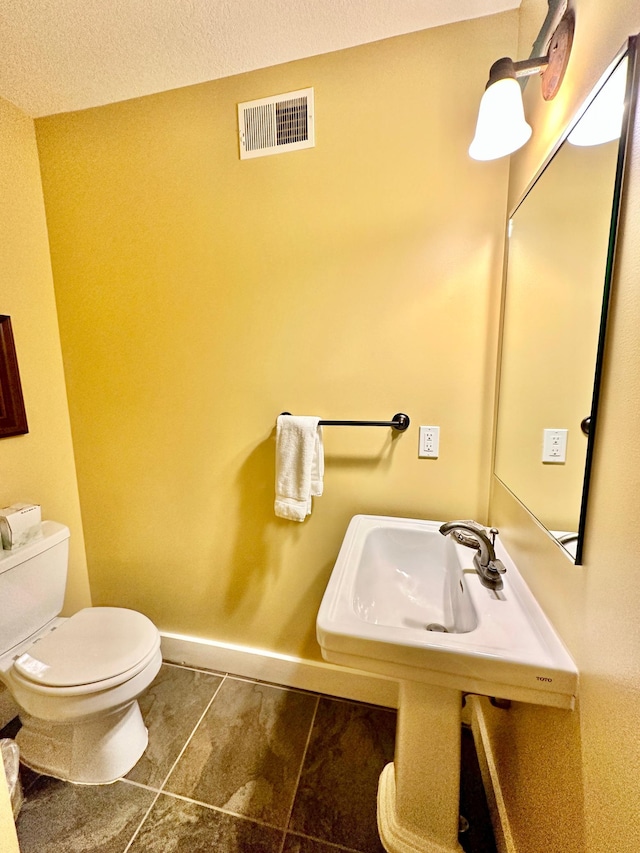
572, 780
39, 466
199, 296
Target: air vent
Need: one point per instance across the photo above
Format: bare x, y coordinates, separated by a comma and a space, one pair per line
277, 124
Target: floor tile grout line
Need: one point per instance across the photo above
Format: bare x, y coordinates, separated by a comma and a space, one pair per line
193, 731
308, 692
139, 785
299, 776
219, 672
27, 788
338, 847
155, 799
229, 813
139, 827
323, 841
234, 676
301, 690
357, 702
221, 810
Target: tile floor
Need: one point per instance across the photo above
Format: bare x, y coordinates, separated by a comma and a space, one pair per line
238, 766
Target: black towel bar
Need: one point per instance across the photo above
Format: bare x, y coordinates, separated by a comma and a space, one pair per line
399, 422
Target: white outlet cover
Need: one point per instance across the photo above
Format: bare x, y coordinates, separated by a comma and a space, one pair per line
554, 445
429, 442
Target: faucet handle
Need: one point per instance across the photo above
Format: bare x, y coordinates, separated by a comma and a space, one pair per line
499, 566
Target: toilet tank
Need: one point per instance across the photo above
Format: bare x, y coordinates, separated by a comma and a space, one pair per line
32, 584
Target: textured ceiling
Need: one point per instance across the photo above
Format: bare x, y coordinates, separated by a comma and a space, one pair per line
61, 55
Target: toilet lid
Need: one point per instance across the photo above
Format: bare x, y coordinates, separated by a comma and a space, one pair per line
92, 645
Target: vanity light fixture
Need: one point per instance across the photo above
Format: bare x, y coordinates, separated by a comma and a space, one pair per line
502, 127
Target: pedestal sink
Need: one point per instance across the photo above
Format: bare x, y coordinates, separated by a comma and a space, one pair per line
405, 601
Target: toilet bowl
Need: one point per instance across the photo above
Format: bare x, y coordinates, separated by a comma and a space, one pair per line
77, 686
75, 680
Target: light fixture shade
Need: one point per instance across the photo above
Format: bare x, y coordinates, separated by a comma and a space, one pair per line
501, 127
602, 122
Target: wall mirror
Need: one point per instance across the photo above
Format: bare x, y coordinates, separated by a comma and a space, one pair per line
560, 253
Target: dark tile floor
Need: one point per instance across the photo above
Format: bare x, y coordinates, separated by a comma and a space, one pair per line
238, 766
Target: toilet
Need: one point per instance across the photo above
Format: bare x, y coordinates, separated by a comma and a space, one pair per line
76, 680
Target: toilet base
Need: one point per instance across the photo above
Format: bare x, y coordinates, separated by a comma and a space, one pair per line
96, 751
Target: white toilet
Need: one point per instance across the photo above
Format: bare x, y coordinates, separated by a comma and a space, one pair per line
76, 680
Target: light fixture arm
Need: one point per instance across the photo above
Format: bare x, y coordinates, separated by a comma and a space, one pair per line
507, 68
534, 65
551, 67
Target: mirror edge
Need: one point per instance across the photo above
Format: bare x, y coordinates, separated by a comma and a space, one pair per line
631, 98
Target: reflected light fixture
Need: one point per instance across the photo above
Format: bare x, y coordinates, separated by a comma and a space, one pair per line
502, 128
602, 121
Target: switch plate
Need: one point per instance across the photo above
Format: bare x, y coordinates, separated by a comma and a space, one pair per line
429, 445
554, 445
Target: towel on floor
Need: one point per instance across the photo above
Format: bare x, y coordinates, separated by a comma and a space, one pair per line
299, 465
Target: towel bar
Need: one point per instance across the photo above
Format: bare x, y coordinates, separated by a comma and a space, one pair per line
399, 422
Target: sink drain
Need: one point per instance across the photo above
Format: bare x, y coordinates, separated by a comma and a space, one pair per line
436, 626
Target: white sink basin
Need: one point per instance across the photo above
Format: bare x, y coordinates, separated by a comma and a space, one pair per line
398, 582
392, 589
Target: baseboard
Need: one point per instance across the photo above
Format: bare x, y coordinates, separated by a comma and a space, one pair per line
490, 778
287, 670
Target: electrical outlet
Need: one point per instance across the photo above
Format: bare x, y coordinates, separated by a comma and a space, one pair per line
429, 446
554, 445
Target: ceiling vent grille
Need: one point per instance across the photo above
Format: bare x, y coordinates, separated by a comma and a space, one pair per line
277, 124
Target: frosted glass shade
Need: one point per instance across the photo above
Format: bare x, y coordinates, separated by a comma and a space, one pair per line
501, 127
602, 121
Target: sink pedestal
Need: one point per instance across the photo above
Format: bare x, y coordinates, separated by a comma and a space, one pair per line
419, 793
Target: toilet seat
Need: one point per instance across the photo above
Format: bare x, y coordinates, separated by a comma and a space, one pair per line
95, 649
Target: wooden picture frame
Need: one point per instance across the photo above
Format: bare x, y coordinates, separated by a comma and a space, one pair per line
13, 417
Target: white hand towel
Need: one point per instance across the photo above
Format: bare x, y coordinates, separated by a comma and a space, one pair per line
299, 465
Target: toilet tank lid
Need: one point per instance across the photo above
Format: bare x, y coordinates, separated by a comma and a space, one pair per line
93, 645
52, 534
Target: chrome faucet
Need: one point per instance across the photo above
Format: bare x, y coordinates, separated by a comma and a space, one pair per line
473, 535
